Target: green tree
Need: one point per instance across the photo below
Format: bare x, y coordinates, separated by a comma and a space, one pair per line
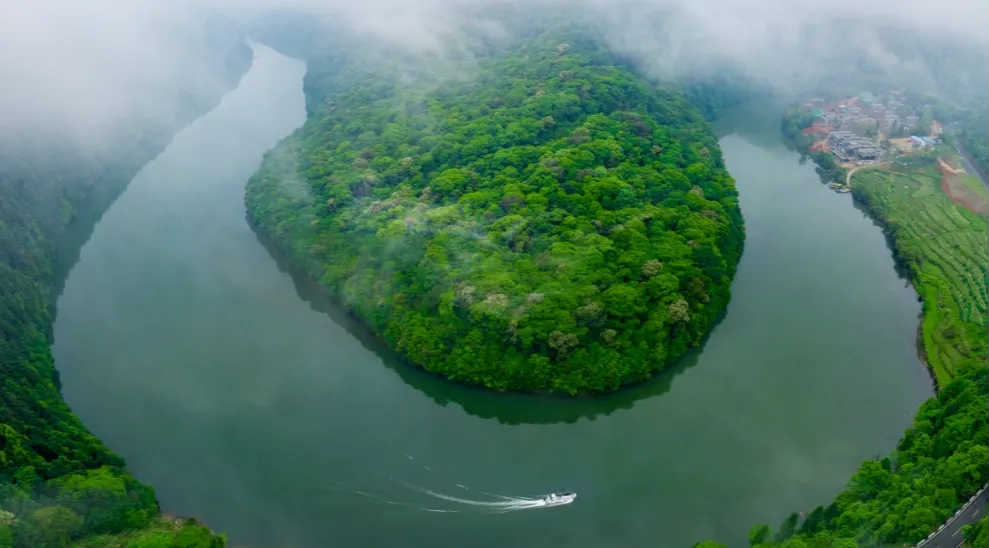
550, 205
709, 544
50, 527
759, 534
976, 533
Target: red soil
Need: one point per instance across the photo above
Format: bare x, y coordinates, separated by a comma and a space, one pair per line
958, 198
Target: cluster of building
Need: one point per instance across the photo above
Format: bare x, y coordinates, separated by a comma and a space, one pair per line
862, 112
925, 143
845, 123
848, 147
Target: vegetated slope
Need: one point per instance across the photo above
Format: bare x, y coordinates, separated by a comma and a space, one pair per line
550, 223
941, 459
720, 88
58, 483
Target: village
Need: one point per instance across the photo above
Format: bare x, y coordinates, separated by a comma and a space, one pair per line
866, 130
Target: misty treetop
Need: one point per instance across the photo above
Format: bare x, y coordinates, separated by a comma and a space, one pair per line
58, 482
552, 222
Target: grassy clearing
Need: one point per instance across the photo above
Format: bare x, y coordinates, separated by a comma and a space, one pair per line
944, 248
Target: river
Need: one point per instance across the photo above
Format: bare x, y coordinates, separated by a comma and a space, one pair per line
250, 402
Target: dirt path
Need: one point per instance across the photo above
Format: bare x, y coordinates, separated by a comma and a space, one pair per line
946, 167
848, 176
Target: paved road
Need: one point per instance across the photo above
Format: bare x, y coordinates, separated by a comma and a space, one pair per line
951, 535
969, 167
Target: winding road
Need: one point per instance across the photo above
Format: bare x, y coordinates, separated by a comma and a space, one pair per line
950, 534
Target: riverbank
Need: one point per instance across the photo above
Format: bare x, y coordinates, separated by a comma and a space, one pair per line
175, 301
894, 208
940, 461
59, 483
541, 258
942, 245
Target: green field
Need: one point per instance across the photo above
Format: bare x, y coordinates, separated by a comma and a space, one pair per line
943, 246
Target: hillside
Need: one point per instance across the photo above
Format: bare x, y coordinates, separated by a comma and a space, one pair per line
58, 483
549, 222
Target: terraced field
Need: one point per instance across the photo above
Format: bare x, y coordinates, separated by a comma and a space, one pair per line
944, 248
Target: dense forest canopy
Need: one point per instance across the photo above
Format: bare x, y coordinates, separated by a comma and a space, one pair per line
545, 221
541, 218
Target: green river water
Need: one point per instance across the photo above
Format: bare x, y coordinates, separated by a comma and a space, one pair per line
250, 402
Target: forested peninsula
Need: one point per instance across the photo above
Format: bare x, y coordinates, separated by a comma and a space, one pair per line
59, 485
551, 222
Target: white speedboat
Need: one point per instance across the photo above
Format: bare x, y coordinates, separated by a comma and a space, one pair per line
559, 499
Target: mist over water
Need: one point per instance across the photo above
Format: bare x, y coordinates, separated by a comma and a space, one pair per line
258, 408
89, 70
243, 399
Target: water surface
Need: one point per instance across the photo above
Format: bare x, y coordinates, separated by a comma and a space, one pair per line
246, 399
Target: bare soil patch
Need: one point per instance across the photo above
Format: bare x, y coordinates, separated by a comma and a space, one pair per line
956, 189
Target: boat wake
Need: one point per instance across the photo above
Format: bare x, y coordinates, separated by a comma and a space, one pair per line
495, 503
505, 504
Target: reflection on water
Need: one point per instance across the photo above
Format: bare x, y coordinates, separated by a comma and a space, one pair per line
506, 408
243, 400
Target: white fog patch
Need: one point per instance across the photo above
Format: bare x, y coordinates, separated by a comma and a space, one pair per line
87, 71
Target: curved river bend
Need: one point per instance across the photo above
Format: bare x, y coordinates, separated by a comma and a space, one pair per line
248, 401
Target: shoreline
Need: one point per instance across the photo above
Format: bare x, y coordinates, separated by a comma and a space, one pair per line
365, 332
877, 218
558, 347
874, 215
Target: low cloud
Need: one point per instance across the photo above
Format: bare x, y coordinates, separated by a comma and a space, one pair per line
85, 69
85, 72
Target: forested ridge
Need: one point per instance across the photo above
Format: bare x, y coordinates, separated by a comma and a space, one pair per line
59, 485
58, 482
549, 222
